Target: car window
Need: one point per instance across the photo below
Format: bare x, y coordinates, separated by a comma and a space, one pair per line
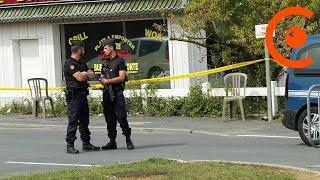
314, 52
148, 47
127, 48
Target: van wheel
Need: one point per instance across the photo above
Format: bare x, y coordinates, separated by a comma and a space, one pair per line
155, 72
303, 126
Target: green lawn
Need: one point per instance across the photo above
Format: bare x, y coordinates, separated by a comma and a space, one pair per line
165, 169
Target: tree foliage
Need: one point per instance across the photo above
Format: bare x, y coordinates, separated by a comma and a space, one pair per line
231, 35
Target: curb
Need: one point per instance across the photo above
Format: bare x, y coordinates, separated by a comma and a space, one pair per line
38, 126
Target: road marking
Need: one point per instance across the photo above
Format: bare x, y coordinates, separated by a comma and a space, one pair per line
267, 136
51, 164
314, 166
139, 123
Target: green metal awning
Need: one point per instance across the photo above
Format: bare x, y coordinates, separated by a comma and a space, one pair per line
90, 11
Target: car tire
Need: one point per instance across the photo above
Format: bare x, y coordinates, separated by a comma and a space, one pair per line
303, 131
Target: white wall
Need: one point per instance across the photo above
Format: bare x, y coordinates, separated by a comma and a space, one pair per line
185, 58
49, 51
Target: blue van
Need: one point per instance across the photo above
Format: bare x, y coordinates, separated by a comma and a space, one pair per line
298, 81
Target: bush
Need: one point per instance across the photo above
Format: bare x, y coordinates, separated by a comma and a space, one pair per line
196, 104
95, 105
134, 104
17, 107
60, 105
164, 107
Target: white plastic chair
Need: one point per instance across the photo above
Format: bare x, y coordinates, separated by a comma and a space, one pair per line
234, 84
35, 85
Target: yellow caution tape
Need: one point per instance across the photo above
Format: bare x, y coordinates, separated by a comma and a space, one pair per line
196, 74
27, 89
13, 89
168, 78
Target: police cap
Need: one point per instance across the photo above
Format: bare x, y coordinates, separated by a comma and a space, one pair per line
75, 44
111, 42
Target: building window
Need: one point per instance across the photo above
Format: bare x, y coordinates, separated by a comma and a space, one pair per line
29, 48
143, 45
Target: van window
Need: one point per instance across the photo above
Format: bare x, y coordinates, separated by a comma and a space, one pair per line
314, 69
148, 47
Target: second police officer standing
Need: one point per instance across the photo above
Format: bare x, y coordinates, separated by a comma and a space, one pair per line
113, 79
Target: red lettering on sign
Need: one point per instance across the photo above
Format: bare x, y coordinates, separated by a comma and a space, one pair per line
124, 54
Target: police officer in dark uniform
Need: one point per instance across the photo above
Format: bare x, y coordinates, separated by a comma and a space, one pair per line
113, 77
76, 76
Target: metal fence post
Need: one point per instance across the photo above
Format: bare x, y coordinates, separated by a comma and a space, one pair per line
206, 88
144, 95
274, 98
310, 122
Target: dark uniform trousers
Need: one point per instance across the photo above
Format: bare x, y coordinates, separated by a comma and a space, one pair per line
115, 111
78, 114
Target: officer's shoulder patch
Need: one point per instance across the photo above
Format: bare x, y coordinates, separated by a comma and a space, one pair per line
72, 67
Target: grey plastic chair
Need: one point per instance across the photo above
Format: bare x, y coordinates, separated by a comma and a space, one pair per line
36, 85
234, 84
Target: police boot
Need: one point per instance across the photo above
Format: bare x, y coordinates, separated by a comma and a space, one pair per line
71, 149
111, 145
130, 145
87, 146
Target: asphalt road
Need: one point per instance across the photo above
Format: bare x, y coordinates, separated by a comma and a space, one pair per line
25, 150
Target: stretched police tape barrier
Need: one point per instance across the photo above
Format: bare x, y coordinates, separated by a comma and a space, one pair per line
25, 89
196, 74
168, 78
